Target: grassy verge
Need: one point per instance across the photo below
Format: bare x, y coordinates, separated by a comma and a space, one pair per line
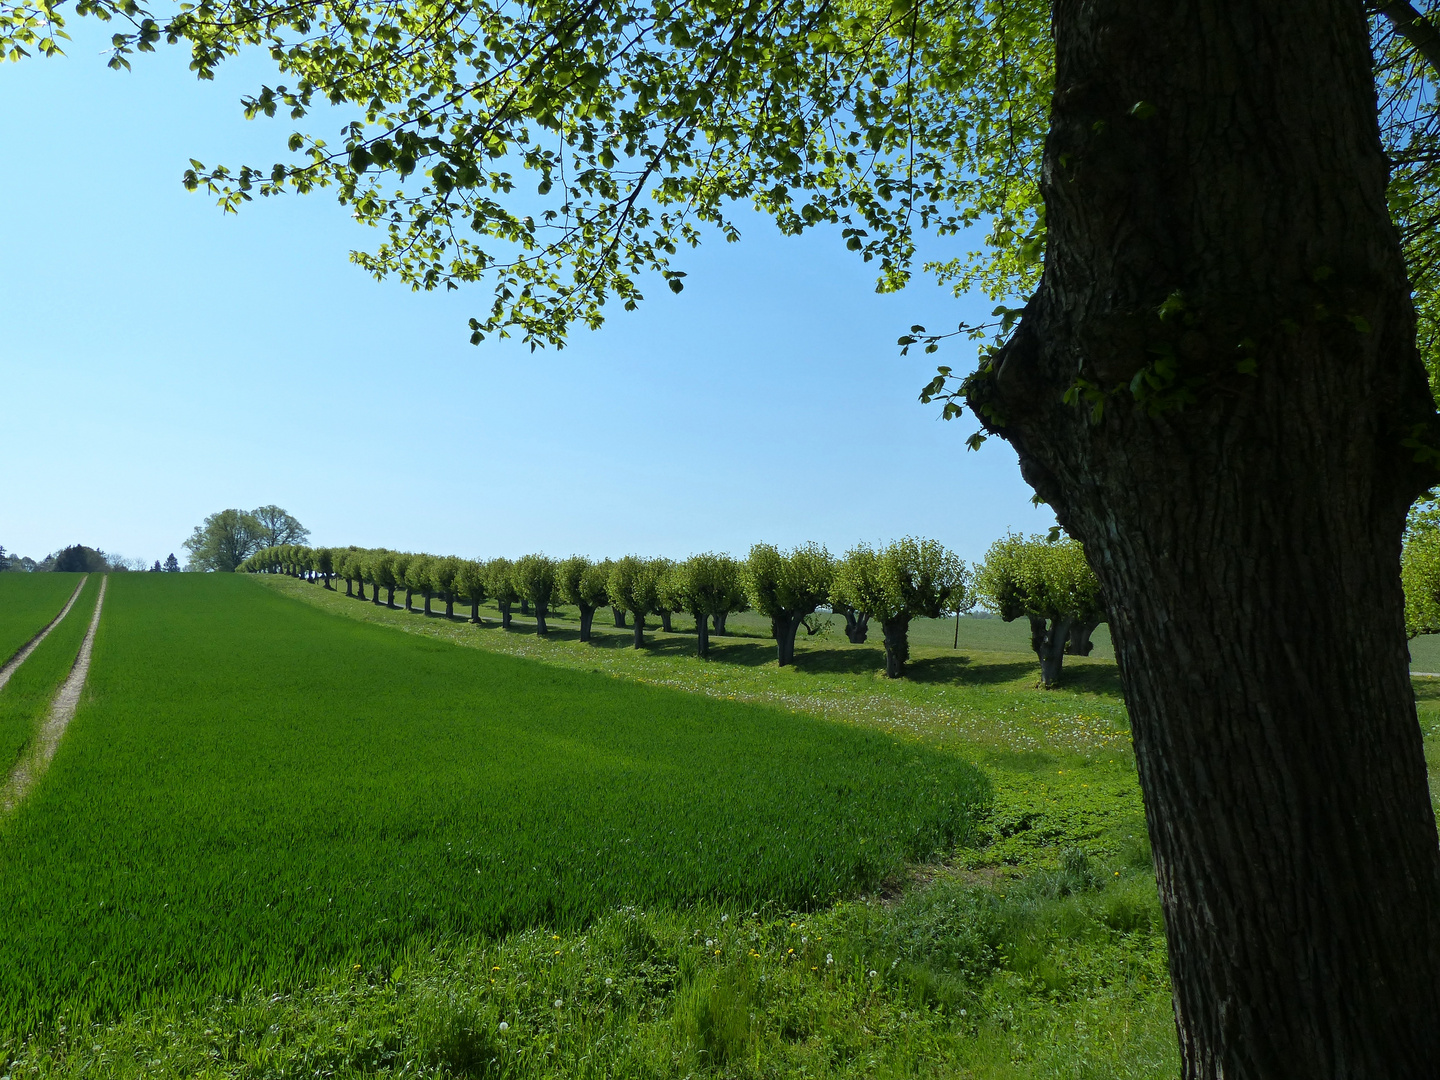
25, 699
27, 603
1058, 974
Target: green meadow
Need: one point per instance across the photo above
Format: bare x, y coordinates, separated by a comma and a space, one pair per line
27, 604
292, 833
256, 792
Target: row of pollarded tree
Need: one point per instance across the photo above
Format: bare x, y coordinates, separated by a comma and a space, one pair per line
1047, 582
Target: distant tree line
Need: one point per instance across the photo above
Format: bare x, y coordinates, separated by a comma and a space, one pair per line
1048, 582
78, 558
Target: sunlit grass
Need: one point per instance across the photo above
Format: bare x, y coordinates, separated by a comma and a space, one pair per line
255, 792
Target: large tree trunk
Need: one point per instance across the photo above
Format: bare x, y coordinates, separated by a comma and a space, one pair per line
428, 596
720, 617
784, 629
541, 612
1221, 158
665, 621
639, 617
475, 610
587, 618
449, 605
1079, 643
702, 635
1050, 649
375, 593
504, 606
619, 614
897, 645
389, 595
525, 605
409, 595
349, 591
360, 588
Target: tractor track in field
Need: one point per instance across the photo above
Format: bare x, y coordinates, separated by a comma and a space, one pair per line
36, 759
9, 667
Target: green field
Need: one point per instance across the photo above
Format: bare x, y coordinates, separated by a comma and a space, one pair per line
255, 792
282, 839
27, 604
25, 699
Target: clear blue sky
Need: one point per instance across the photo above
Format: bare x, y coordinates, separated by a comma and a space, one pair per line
160, 361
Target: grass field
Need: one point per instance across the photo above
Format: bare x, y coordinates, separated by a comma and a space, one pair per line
27, 603
255, 792
26, 698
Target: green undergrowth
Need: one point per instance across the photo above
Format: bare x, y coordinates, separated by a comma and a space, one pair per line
27, 604
1057, 974
25, 699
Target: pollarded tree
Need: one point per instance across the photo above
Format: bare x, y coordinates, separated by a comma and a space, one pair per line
417, 577
585, 584
443, 573
907, 579
382, 573
1420, 574
617, 613
535, 580
1052, 585
500, 584
854, 577
401, 563
731, 575
705, 585
669, 599
470, 585
786, 587
347, 566
632, 588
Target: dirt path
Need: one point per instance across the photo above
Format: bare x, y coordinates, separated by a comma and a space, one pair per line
36, 759
8, 668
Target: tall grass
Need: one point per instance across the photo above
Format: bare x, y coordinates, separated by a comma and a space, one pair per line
255, 792
27, 603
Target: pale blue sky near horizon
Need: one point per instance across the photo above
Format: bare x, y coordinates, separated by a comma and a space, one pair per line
161, 360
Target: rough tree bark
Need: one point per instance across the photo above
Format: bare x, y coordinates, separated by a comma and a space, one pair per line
619, 614
639, 617
665, 621
504, 606
542, 611
1225, 155
587, 617
702, 634
719, 618
474, 610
